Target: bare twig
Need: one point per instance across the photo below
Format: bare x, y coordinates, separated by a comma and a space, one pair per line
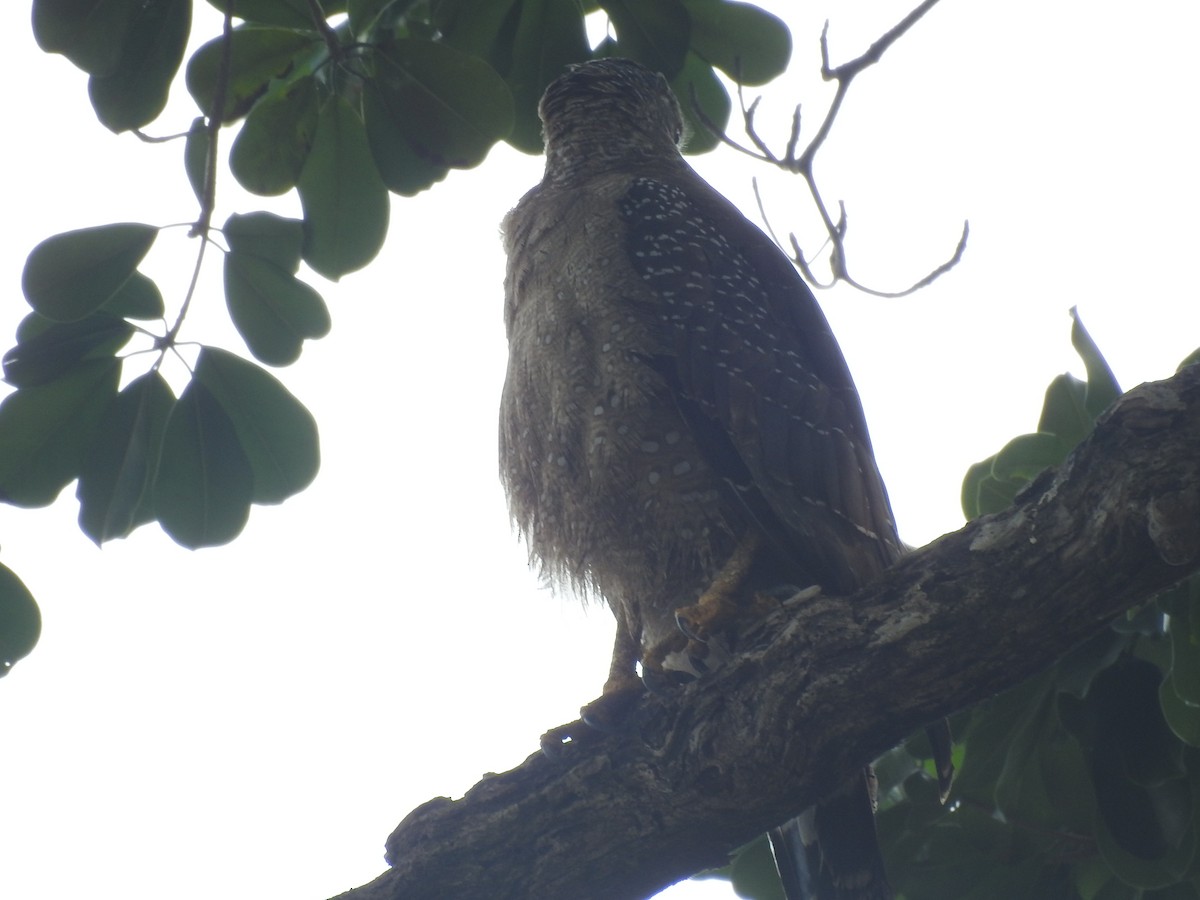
802, 164
208, 193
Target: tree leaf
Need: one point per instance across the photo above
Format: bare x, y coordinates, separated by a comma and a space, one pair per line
994, 726
135, 92
345, 202
1102, 387
273, 310
745, 42
1190, 360
273, 238
138, 298
20, 620
1022, 458
195, 155
972, 482
45, 428
276, 432
753, 872
269, 151
483, 28
1064, 412
54, 350
90, 33
257, 56
115, 480
547, 37
449, 107
403, 170
71, 275
698, 79
1134, 869
204, 485
654, 32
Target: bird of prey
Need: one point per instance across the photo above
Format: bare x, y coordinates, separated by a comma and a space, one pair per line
679, 432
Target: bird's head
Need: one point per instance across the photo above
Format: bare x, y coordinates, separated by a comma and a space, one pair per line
606, 114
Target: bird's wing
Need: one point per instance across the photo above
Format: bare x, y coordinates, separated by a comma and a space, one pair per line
754, 362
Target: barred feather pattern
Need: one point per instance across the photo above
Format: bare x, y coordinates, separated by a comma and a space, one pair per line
672, 388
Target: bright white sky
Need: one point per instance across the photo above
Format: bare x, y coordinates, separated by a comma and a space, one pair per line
253, 720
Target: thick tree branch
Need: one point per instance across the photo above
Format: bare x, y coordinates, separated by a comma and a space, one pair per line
827, 683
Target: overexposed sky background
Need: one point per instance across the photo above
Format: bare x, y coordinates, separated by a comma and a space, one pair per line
253, 720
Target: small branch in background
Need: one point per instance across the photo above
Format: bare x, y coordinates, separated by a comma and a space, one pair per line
208, 195
216, 116
802, 164
327, 34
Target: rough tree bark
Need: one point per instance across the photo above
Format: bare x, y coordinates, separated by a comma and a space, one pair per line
825, 684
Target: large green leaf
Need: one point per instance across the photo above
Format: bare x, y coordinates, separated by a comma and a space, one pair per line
269, 152
345, 202
547, 37
447, 106
273, 310
1022, 458
483, 28
204, 485
138, 298
1144, 827
71, 275
90, 33
1134, 869
402, 169
45, 429
135, 91
745, 42
274, 238
997, 741
1068, 414
1102, 387
698, 84
196, 148
654, 32
277, 434
1064, 412
972, 483
53, 350
753, 872
257, 56
20, 620
117, 473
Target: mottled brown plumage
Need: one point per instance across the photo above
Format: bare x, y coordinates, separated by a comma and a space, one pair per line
674, 393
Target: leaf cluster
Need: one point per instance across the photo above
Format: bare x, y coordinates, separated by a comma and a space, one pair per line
343, 101
1085, 781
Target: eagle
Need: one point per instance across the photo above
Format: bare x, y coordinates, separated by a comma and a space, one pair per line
679, 431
